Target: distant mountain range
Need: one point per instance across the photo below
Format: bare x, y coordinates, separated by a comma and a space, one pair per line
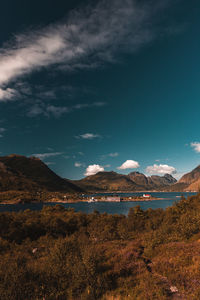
135, 181
20, 173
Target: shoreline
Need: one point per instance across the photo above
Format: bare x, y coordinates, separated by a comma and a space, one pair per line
85, 201
87, 197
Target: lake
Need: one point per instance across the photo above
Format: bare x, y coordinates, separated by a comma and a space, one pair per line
109, 207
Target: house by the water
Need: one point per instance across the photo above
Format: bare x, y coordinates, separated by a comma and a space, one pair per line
113, 199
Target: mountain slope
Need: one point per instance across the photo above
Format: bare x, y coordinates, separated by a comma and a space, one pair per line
106, 181
192, 180
188, 182
191, 177
21, 173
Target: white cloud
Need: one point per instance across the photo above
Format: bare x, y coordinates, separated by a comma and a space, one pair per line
88, 136
93, 169
88, 37
196, 146
129, 164
46, 155
161, 169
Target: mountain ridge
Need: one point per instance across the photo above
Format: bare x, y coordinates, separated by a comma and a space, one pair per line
19, 172
134, 181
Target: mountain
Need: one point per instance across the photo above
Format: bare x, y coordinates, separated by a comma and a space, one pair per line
188, 182
191, 180
191, 177
21, 173
152, 182
135, 181
106, 181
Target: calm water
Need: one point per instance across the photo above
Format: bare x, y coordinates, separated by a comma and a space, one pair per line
110, 207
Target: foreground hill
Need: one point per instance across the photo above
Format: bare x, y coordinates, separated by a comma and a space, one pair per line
135, 181
21, 173
57, 253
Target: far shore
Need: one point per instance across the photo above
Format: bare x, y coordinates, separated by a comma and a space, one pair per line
85, 198
58, 201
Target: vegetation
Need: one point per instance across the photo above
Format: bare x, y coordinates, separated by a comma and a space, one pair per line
15, 197
57, 253
20, 173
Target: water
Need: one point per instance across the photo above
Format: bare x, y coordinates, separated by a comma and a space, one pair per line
109, 207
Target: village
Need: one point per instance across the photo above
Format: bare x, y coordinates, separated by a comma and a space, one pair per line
117, 198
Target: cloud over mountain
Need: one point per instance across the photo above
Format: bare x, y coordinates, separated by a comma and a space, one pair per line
160, 169
93, 169
129, 164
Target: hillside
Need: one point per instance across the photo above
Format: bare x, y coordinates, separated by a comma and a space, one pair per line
188, 182
28, 174
135, 181
57, 253
192, 179
106, 181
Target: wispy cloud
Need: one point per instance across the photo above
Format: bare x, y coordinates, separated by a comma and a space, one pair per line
48, 110
107, 166
79, 165
114, 154
161, 169
8, 94
88, 136
88, 37
2, 130
81, 153
195, 146
49, 163
47, 155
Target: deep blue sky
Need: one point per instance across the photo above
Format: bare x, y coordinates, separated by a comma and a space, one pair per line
86, 83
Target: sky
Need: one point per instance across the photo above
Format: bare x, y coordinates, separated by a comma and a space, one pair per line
106, 85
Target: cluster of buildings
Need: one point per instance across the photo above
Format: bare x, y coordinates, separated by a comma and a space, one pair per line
116, 198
